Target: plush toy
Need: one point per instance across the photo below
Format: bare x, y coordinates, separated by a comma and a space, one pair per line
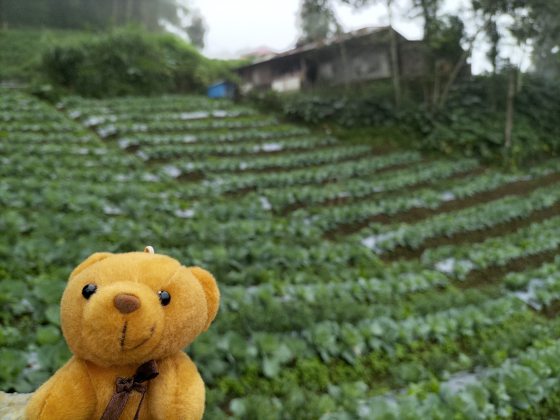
126, 318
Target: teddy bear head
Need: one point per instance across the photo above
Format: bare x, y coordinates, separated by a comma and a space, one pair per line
120, 309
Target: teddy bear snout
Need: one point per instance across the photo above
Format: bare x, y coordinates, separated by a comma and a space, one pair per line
126, 303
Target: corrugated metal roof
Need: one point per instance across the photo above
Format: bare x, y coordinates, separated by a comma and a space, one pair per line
324, 43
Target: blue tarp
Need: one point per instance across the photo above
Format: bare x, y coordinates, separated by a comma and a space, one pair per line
221, 90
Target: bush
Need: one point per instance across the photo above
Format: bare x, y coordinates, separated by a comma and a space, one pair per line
131, 62
471, 123
359, 106
21, 50
345, 111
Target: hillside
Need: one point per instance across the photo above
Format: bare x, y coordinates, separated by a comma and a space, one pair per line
355, 283
21, 49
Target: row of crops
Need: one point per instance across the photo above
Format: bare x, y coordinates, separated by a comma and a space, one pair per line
355, 284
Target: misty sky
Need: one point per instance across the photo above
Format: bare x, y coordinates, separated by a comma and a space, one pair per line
242, 25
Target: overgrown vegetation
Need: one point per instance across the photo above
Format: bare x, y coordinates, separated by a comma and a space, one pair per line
130, 62
126, 61
153, 15
472, 123
21, 50
506, 114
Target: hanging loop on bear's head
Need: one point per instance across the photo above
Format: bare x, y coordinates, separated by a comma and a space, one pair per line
149, 250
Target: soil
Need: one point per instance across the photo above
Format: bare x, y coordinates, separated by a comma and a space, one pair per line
338, 201
191, 177
477, 278
409, 188
296, 206
474, 236
419, 213
258, 154
269, 169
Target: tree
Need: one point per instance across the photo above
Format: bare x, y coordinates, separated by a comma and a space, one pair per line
170, 11
429, 11
3, 22
444, 36
531, 23
494, 37
79, 14
448, 55
393, 43
196, 30
521, 29
542, 26
317, 21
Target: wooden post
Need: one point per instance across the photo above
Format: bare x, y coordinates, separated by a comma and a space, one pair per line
303, 74
437, 85
395, 70
512, 82
3, 18
344, 57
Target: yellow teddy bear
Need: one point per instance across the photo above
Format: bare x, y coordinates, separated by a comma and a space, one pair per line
126, 318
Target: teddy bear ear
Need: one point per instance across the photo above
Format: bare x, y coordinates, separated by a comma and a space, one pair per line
210, 290
89, 261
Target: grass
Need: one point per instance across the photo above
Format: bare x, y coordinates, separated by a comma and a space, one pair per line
21, 50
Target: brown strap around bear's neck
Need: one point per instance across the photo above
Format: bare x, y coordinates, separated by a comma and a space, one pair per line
125, 386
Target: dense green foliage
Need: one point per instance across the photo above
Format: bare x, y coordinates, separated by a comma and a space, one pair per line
131, 62
471, 124
312, 324
123, 62
21, 50
492, 117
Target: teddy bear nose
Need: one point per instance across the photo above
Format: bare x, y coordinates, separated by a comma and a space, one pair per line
126, 303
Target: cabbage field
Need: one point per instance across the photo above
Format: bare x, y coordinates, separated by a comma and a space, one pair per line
356, 282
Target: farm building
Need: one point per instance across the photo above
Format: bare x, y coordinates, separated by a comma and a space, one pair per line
356, 56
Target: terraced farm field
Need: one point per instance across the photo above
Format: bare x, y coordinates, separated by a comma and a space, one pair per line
355, 283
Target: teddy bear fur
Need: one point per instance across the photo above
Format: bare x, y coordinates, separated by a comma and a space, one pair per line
107, 343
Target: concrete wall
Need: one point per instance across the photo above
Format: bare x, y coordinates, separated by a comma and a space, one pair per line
355, 62
287, 83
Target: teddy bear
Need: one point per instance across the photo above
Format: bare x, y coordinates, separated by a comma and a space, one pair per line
126, 318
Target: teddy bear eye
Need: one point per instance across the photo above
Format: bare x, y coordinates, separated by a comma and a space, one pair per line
88, 290
164, 297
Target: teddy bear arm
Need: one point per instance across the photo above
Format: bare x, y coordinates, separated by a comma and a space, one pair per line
178, 392
68, 394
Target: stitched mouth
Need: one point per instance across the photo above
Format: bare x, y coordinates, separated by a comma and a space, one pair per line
123, 334
144, 341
